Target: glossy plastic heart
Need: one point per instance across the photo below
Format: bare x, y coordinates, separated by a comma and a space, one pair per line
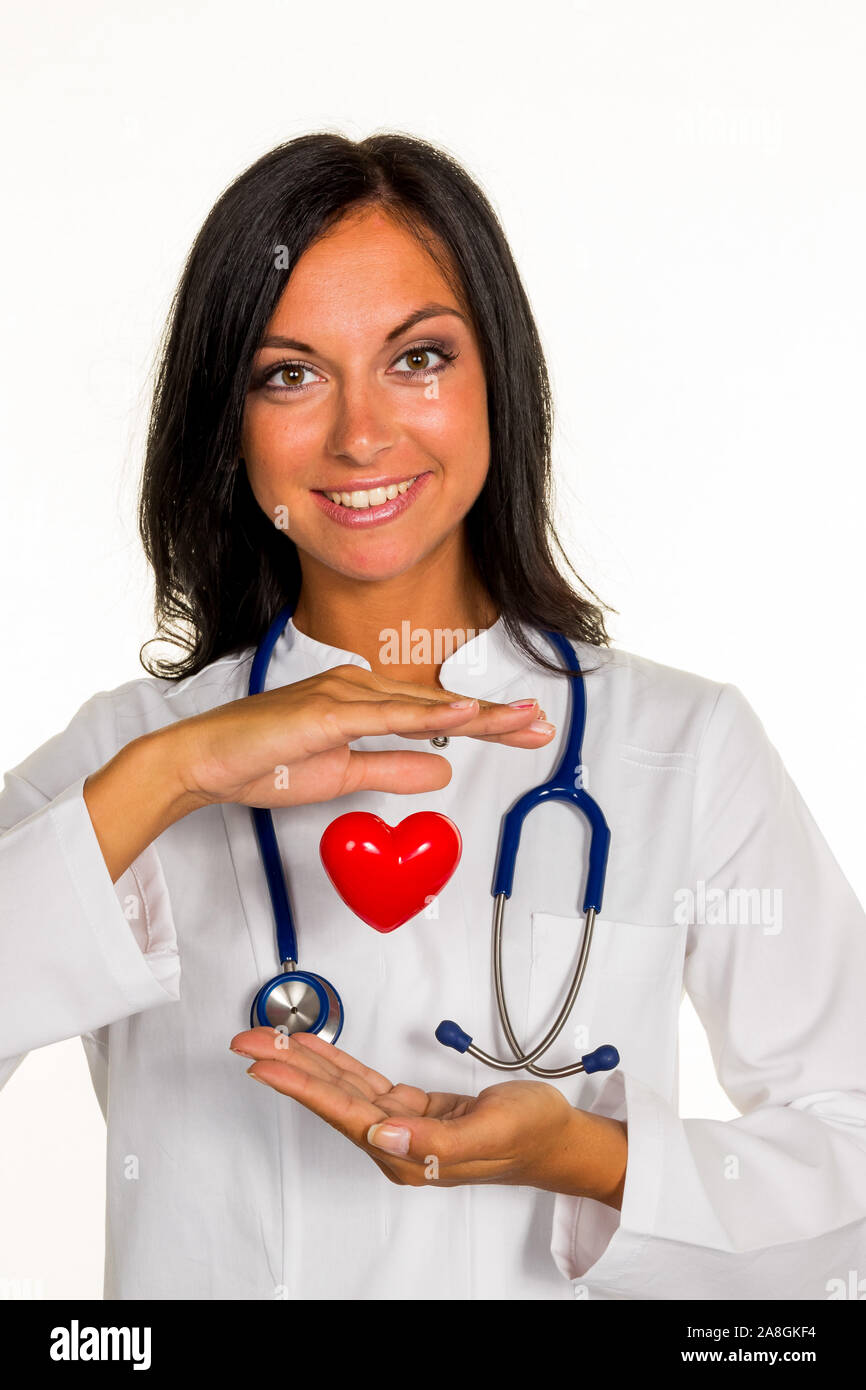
387, 874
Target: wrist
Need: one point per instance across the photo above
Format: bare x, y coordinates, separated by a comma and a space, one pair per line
153, 763
608, 1183
591, 1159
135, 797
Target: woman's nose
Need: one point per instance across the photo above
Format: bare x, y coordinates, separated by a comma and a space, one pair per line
363, 424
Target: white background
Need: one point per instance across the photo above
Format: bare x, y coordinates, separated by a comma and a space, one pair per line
682, 185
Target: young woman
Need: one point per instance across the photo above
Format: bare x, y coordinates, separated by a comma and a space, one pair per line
352, 423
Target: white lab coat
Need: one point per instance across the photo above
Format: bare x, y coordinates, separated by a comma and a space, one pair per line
238, 1192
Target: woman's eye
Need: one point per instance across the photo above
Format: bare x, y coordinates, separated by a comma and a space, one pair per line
289, 376
419, 360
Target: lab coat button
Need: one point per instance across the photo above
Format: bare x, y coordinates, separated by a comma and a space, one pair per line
440, 741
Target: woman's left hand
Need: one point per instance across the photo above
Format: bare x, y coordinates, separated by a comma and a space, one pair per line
519, 1132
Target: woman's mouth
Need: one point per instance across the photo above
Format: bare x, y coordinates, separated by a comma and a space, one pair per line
371, 505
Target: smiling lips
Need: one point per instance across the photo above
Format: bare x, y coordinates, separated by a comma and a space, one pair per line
371, 497
365, 507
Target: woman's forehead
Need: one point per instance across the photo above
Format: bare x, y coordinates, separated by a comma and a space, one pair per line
367, 271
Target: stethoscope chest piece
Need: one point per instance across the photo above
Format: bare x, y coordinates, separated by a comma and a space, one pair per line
297, 1001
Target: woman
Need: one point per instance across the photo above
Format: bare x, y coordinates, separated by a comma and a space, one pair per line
352, 418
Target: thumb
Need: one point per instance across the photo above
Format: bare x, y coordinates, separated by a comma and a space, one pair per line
418, 1139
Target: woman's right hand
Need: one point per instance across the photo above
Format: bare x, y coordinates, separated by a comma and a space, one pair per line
283, 748
290, 746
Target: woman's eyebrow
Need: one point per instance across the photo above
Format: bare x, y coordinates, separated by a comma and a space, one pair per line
428, 311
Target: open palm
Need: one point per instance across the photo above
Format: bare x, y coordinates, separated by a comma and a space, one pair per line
504, 1134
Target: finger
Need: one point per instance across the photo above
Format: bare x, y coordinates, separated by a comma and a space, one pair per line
402, 1098
524, 738
345, 1061
266, 1044
318, 1065
350, 1114
343, 685
402, 771
483, 717
468, 1138
306, 1049
410, 1100
527, 710
396, 771
342, 717
488, 720
352, 1083
399, 689
341, 722
447, 1104
500, 723
258, 1042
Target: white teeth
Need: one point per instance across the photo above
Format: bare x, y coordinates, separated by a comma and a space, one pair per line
372, 498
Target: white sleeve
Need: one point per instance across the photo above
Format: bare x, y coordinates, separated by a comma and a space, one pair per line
771, 1204
76, 951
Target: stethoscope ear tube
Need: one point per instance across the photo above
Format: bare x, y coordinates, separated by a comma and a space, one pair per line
452, 1035
563, 785
599, 844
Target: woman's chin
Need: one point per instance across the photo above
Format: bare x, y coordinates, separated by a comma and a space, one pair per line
367, 557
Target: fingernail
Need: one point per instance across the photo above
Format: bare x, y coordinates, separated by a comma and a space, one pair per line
254, 1077
461, 704
522, 704
391, 1138
541, 726
240, 1052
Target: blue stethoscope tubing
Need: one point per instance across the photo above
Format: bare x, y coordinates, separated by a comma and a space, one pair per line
295, 1001
301, 1001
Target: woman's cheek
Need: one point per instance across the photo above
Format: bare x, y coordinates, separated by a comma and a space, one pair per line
273, 459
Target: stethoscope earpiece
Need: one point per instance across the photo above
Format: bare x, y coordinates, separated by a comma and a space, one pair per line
450, 1034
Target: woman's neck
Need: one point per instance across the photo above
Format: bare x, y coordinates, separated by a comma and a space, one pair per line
405, 626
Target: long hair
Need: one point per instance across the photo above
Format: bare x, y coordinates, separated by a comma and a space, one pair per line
222, 568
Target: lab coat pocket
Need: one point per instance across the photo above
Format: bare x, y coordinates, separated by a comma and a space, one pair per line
629, 997
556, 942
638, 1000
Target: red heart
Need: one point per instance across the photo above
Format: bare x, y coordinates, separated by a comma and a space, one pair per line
386, 874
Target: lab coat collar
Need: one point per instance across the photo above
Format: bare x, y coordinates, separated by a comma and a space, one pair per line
483, 665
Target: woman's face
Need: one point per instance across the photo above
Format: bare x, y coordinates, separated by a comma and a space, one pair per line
347, 396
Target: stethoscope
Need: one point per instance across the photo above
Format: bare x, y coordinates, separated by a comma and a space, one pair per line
297, 1001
